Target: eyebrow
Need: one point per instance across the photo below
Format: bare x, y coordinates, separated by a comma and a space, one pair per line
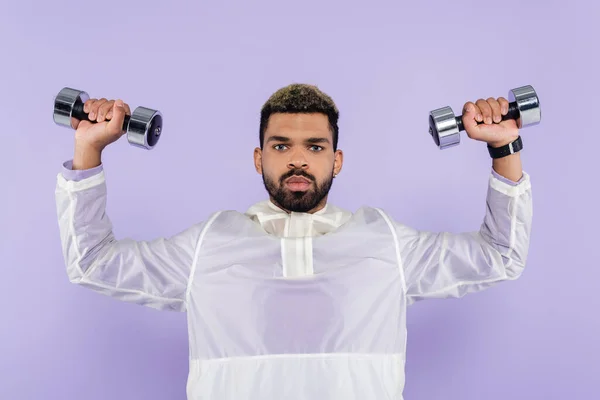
287, 139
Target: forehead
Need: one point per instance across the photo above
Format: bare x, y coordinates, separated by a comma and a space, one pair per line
298, 125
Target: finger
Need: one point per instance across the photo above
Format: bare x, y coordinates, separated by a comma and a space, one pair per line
116, 123
127, 111
486, 110
503, 105
94, 108
470, 114
87, 106
104, 109
471, 108
495, 106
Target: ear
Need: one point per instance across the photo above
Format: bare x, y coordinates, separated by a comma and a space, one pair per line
258, 160
338, 162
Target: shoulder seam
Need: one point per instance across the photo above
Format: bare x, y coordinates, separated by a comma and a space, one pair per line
207, 225
397, 245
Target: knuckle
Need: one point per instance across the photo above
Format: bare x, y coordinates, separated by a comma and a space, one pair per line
483, 105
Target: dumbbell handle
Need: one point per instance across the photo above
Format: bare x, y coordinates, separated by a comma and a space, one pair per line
513, 113
81, 115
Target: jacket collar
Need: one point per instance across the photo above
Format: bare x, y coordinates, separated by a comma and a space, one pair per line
279, 222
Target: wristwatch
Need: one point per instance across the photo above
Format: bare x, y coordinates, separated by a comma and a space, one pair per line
506, 150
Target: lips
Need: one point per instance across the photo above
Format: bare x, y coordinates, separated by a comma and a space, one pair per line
297, 183
297, 179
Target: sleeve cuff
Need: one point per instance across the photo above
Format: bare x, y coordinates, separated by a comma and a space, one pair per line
508, 187
506, 180
80, 174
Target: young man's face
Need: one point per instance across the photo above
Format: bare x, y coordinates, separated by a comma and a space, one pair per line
297, 162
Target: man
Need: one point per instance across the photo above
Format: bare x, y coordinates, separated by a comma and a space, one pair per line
295, 298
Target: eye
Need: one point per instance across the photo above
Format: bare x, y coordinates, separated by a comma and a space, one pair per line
318, 148
278, 145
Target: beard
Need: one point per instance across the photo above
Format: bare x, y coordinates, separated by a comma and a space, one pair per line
298, 201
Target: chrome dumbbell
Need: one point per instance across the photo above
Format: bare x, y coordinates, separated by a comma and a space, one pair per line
524, 108
143, 127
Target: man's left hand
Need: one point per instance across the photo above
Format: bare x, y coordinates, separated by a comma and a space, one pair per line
493, 130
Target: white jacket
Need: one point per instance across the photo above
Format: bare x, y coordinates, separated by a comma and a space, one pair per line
293, 306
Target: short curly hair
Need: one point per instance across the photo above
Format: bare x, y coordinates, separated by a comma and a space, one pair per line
300, 98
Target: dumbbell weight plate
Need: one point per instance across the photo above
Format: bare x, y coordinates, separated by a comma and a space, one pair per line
66, 102
528, 104
145, 127
443, 128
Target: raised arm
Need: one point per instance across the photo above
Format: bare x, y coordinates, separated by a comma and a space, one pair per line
445, 264
153, 273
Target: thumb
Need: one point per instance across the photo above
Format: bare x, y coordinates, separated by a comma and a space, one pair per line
115, 125
83, 124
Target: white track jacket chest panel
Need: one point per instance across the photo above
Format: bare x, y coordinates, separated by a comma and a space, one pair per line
302, 332
293, 306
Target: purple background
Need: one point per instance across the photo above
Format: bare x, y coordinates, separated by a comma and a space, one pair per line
209, 68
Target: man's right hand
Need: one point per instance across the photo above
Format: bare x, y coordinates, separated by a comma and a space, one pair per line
91, 138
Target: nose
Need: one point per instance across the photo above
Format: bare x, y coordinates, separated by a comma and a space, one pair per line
297, 161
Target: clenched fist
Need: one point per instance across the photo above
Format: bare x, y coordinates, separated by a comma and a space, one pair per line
109, 116
491, 129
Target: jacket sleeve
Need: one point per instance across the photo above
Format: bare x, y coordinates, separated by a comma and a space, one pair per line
443, 264
151, 273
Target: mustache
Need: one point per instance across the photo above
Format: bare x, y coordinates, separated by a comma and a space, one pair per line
297, 172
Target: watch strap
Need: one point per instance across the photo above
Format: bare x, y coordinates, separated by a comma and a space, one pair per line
506, 150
